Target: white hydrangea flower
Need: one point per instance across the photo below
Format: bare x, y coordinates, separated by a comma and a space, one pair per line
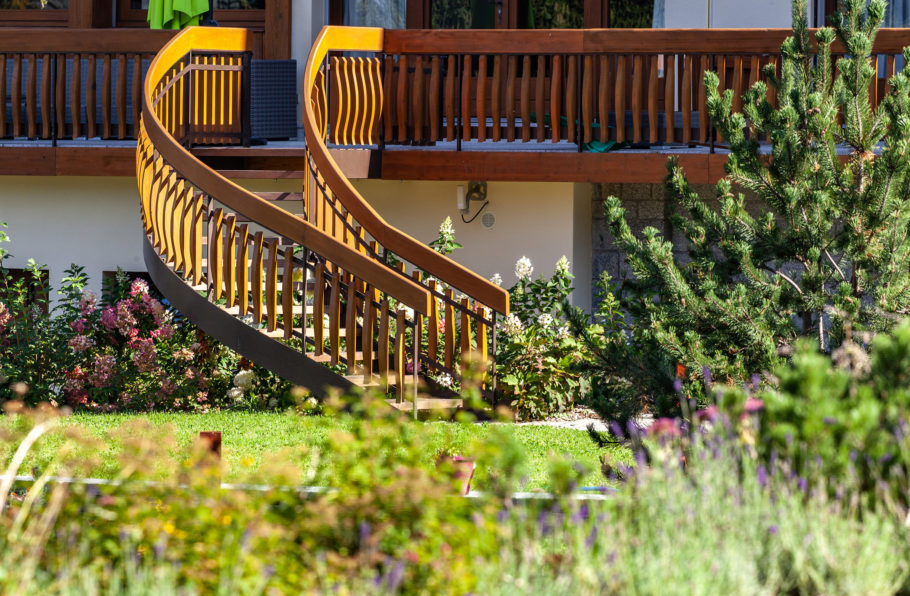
545, 320
460, 296
524, 268
408, 313
273, 402
445, 379
244, 380
446, 228
562, 266
562, 332
235, 393
496, 279
512, 325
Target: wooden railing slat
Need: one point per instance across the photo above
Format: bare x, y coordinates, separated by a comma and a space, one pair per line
318, 307
271, 285
256, 284
526, 99
3, 94
402, 99
704, 126
653, 136
230, 259
350, 328
16, 96
637, 79
106, 96
466, 99
481, 97
496, 99
587, 99
59, 95
76, 95
90, 103
31, 92
400, 354
555, 99
605, 97
539, 99
620, 99
511, 76
434, 99
450, 98
572, 97
287, 293
686, 104
121, 96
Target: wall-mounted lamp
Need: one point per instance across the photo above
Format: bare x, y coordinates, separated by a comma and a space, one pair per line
476, 191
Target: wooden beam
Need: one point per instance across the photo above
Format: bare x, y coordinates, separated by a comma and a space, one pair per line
48, 39
276, 43
644, 167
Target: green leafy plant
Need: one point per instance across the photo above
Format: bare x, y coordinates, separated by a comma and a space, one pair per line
830, 245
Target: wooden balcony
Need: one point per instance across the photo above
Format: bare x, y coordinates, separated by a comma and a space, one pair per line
492, 105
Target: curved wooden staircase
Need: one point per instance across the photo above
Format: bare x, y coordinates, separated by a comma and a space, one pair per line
335, 297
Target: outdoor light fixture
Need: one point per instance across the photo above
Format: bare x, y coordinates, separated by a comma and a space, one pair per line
476, 191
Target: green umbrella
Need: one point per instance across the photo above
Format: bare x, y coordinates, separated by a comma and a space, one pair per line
175, 14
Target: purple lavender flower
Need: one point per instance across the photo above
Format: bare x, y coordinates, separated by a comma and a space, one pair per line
706, 375
364, 532
395, 577
762, 474
677, 385
802, 484
756, 380
592, 536
773, 529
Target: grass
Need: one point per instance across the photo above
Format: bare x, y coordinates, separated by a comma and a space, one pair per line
249, 438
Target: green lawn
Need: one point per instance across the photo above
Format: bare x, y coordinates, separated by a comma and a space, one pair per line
249, 438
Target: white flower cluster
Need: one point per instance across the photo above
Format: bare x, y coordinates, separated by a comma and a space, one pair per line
446, 228
545, 320
445, 379
235, 393
512, 325
562, 332
244, 380
562, 266
524, 268
496, 279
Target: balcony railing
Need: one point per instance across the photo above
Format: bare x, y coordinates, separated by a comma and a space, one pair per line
580, 87
75, 83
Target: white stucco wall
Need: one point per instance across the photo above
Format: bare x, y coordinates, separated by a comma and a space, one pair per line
90, 221
536, 220
681, 14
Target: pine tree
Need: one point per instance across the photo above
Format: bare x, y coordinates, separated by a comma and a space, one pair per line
830, 250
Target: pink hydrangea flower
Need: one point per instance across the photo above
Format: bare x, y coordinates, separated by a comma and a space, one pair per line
125, 319
78, 325
139, 288
163, 332
87, 303
144, 355
109, 318
80, 343
5, 316
104, 369
754, 404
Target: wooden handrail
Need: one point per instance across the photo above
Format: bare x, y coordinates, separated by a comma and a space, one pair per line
596, 41
243, 201
371, 40
23, 40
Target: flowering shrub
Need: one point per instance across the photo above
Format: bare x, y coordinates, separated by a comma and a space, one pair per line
537, 356
125, 351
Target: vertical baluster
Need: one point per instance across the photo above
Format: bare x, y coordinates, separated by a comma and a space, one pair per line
687, 101
335, 315
481, 98
163, 190
572, 97
539, 99
418, 327
76, 95
450, 98
496, 98
466, 99
271, 284
400, 353
465, 328
604, 99
186, 233
216, 269
230, 259
403, 99
387, 76
166, 217
873, 85
256, 285
555, 98
287, 293
242, 274
772, 90
60, 95
106, 96
350, 327
721, 68
121, 96
136, 108
433, 324
483, 346
526, 99
637, 79
652, 100
177, 215
434, 99
16, 96
737, 83
449, 339
384, 344
511, 76
46, 96
418, 97
670, 96
703, 124
366, 337
196, 246
620, 100
90, 102
587, 99
319, 307
31, 92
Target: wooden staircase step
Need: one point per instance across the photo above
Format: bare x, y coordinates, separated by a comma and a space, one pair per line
427, 404
280, 196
